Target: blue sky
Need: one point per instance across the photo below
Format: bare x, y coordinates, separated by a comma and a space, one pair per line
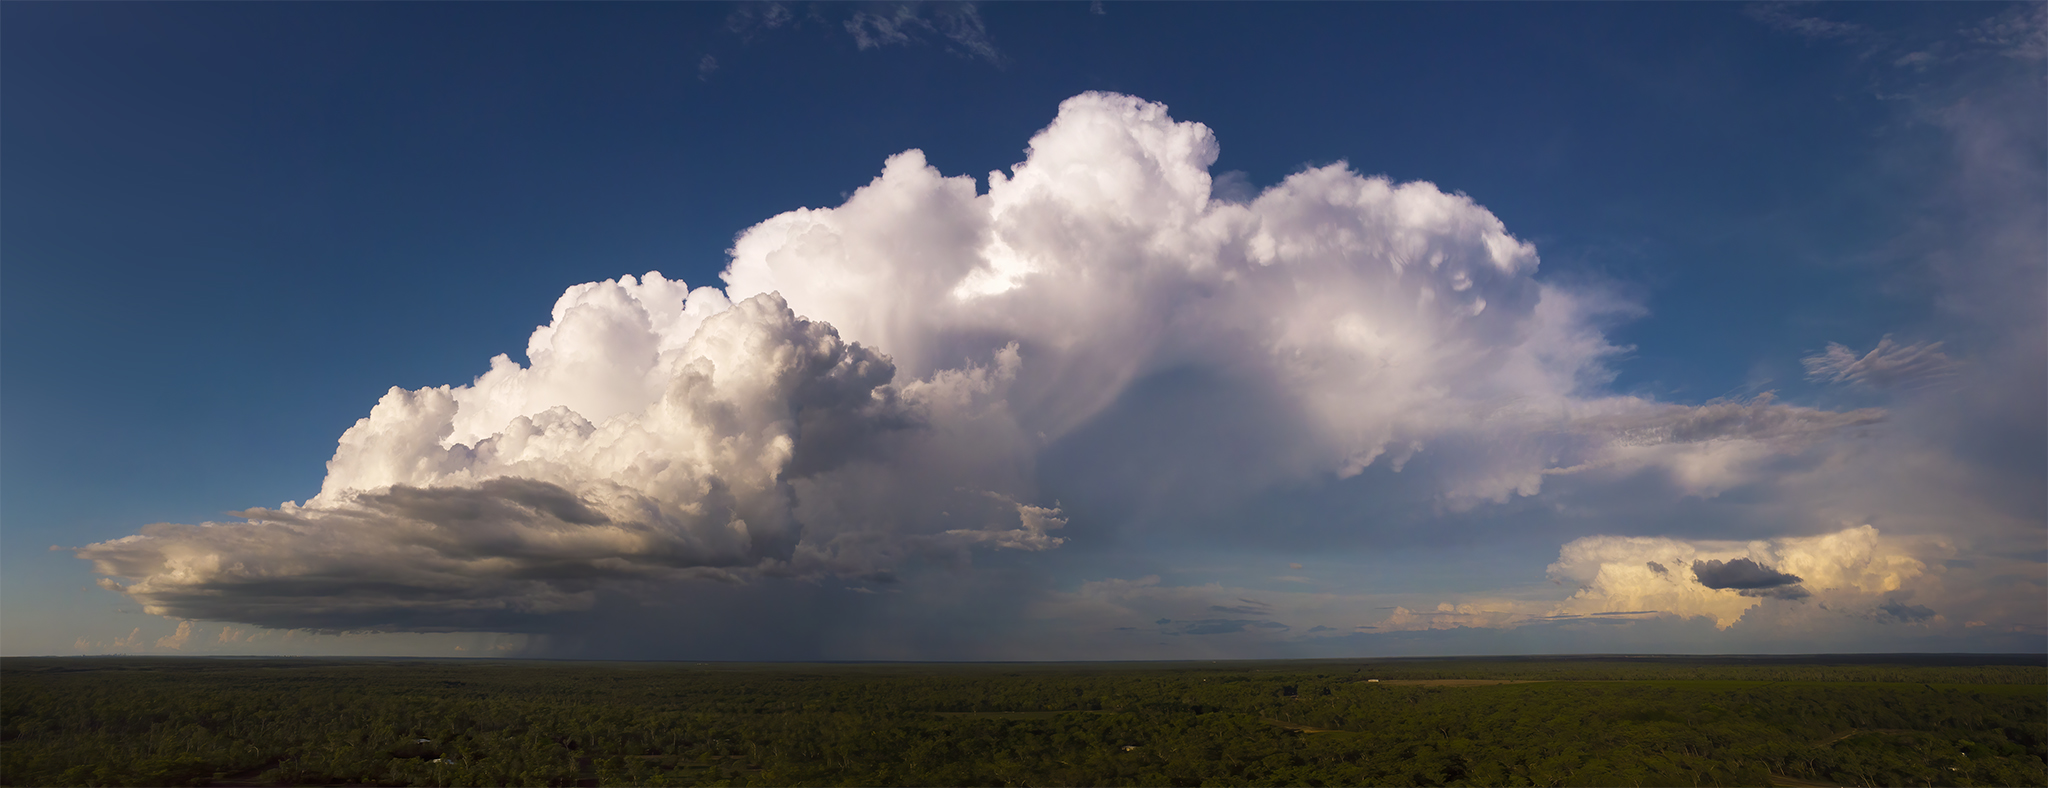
232, 228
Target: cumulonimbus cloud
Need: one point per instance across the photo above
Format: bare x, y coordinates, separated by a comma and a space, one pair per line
876, 381
1723, 580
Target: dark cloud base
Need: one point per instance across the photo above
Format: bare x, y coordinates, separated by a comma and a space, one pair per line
1740, 574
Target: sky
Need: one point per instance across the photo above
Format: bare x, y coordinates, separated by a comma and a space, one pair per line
1041, 331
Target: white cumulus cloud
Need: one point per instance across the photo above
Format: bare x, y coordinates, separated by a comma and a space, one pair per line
176, 640
875, 383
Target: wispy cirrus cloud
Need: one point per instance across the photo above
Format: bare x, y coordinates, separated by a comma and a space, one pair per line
1889, 365
956, 28
1786, 17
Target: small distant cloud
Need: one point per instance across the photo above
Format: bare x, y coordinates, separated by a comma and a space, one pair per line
1740, 574
176, 640
1321, 628
1214, 626
750, 19
1225, 626
874, 31
1095, 7
1792, 592
2020, 32
1616, 580
1250, 607
1779, 16
959, 24
1294, 566
956, 28
1657, 567
1889, 365
1895, 611
1749, 579
230, 634
1920, 59
1609, 615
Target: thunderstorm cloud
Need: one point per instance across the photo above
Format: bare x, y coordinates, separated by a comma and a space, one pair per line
872, 387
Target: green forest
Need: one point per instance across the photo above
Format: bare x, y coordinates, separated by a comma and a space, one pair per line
1597, 721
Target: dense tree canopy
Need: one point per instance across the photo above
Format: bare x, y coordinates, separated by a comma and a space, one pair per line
1591, 721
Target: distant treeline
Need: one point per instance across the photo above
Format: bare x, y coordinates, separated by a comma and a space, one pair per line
1598, 721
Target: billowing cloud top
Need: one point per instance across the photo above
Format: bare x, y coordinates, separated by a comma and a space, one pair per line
1723, 580
875, 382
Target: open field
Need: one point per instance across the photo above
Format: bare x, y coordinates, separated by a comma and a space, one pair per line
1896, 719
